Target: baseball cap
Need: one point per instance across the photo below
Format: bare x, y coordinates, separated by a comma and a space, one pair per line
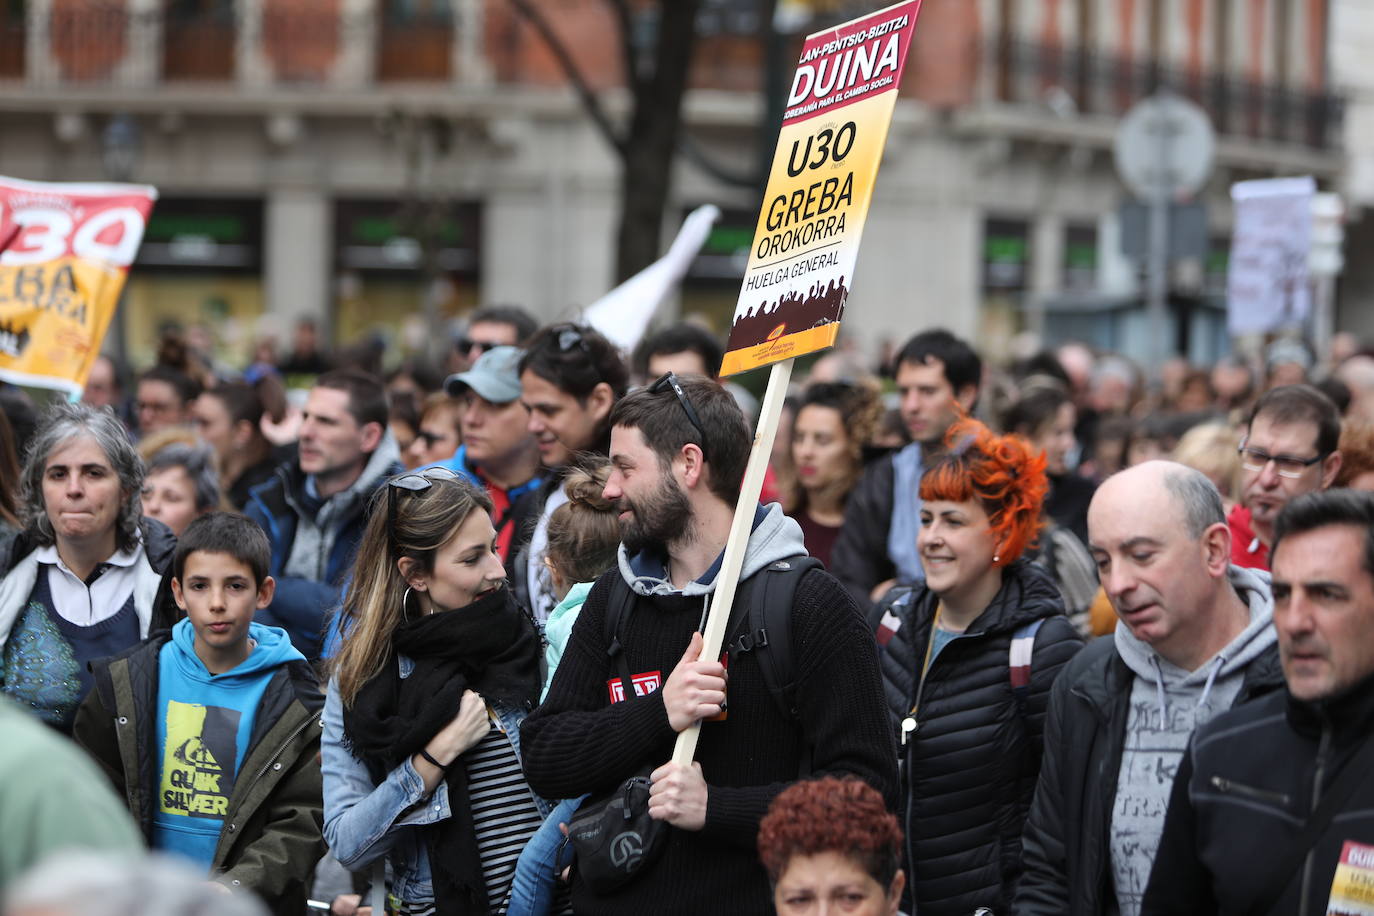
495, 376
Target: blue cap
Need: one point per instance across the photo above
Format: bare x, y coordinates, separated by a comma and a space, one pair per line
495, 376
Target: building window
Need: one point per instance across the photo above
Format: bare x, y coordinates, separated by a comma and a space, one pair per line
198, 40
415, 41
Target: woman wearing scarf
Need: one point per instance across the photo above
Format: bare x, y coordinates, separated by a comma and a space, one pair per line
421, 755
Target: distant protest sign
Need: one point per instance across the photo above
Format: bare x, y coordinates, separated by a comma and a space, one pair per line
829, 149
1267, 285
65, 250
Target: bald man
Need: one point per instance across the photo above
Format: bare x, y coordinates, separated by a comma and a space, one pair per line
1193, 638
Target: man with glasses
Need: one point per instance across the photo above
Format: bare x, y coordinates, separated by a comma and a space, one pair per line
570, 378
1289, 449
617, 702
490, 327
497, 451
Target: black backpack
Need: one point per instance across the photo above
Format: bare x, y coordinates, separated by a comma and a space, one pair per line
763, 626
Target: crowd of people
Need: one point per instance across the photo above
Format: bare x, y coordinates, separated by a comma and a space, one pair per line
1045, 637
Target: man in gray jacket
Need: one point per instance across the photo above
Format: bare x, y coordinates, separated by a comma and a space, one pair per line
1194, 638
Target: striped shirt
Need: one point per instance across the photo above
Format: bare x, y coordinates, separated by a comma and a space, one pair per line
504, 813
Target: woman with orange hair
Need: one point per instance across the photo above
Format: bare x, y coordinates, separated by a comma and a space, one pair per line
830, 846
968, 657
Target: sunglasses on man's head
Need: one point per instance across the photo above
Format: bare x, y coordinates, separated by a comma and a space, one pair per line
570, 336
669, 381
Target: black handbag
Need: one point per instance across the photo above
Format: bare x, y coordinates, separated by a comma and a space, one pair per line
614, 837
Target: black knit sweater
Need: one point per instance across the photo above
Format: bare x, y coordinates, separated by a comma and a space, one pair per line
575, 742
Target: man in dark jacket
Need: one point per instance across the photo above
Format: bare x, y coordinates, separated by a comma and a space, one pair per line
1194, 637
314, 510
1254, 776
938, 377
678, 453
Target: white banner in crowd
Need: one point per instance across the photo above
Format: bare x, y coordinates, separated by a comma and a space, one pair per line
1267, 285
623, 314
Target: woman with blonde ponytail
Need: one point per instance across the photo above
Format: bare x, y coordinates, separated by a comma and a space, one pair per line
438, 667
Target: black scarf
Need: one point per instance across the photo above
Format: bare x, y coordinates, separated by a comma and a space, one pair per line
490, 646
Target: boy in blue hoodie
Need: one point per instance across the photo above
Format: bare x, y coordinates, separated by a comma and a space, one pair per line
211, 731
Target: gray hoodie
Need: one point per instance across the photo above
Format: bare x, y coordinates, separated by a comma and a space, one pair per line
1167, 703
775, 537
315, 533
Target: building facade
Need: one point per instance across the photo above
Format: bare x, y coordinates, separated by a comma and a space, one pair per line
382, 164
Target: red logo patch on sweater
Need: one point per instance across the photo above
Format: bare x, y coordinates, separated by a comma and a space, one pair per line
644, 684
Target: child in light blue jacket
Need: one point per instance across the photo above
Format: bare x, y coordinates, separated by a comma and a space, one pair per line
584, 537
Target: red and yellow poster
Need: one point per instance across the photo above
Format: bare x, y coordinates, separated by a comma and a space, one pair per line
64, 252
829, 149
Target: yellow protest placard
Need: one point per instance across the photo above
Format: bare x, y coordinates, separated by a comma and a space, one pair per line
833, 132
65, 250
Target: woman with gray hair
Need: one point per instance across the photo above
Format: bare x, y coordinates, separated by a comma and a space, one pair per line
182, 485
85, 578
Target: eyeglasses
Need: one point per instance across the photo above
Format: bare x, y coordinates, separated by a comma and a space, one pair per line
465, 345
669, 380
431, 439
415, 482
1253, 459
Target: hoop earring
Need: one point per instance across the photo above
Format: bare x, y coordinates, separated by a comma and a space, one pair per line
405, 603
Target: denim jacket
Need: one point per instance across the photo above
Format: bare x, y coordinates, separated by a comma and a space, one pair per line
363, 820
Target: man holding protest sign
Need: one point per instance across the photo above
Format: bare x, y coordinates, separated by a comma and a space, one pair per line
678, 452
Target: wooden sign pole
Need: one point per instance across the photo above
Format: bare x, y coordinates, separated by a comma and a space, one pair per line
718, 616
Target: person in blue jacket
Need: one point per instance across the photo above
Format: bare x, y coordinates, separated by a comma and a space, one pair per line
211, 732
315, 508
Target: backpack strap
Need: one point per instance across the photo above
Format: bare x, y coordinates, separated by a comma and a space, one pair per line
768, 618
1019, 663
618, 605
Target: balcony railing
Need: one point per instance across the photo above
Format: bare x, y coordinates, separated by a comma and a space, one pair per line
1020, 71
12, 28
114, 42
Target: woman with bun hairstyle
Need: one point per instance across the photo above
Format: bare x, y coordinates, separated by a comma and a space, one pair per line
968, 723
584, 535
438, 667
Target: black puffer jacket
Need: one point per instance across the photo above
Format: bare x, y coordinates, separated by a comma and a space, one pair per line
969, 768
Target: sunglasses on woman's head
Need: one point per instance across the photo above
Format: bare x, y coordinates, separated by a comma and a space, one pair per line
413, 482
